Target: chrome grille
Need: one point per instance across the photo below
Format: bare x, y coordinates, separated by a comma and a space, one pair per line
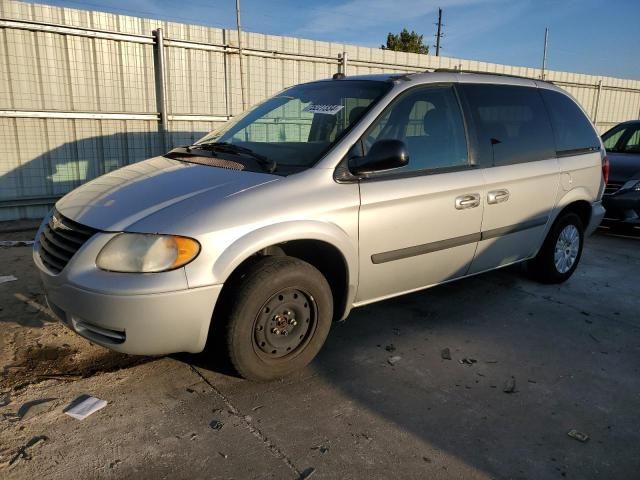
60, 239
612, 187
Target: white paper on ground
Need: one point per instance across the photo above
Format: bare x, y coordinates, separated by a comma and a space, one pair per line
7, 278
85, 408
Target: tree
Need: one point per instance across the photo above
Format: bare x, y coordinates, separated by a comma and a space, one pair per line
406, 41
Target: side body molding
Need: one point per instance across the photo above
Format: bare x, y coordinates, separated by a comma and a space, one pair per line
263, 237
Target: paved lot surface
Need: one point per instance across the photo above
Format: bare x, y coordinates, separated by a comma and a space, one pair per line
573, 351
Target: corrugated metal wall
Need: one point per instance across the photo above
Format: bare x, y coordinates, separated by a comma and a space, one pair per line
79, 90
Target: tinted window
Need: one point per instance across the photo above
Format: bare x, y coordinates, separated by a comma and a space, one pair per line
572, 129
511, 124
429, 122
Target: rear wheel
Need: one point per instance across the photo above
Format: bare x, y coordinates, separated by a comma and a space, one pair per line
561, 251
278, 318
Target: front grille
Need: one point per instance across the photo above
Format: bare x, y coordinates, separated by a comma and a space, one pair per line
60, 240
612, 187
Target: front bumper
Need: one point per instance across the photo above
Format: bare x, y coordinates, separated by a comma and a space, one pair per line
150, 324
623, 207
142, 314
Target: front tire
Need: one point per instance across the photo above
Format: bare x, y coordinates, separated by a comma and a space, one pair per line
279, 317
561, 251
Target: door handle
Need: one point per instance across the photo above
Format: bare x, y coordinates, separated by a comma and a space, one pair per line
498, 196
470, 200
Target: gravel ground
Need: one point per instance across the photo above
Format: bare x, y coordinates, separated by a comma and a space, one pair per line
528, 364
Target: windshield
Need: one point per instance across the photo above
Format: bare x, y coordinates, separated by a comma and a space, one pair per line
297, 126
623, 139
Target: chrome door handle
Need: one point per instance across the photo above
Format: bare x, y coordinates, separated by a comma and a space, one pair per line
470, 200
498, 196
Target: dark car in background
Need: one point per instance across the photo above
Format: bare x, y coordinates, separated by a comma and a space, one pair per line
622, 194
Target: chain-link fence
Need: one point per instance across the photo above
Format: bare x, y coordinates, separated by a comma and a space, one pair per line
83, 92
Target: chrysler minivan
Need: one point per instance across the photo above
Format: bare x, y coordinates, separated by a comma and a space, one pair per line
328, 196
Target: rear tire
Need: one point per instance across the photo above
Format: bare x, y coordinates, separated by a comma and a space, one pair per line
561, 251
279, 317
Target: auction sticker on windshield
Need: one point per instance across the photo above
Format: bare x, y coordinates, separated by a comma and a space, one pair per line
326, 109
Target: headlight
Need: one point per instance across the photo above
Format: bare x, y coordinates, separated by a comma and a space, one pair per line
146, 253
631, 185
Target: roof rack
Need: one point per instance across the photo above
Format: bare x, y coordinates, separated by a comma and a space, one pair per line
455, 70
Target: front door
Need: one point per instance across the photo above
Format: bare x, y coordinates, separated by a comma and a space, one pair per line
420, 224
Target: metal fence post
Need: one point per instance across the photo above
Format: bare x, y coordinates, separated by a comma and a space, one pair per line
161, 97
595, 112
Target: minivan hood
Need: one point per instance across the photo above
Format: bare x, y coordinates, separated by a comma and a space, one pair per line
117, 200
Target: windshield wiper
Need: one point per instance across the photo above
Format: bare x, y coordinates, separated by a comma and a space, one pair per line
225, 147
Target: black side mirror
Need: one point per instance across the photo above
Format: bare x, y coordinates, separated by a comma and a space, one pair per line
383, 155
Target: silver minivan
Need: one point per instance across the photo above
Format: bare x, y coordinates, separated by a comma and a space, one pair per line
328, 196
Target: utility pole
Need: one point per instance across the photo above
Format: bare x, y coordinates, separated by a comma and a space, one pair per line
544, 52
242, 93
439, 34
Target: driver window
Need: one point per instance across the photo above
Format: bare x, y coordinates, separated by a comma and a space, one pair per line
430, 124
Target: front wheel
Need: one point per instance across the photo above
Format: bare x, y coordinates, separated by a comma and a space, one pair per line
279, 318
561, 251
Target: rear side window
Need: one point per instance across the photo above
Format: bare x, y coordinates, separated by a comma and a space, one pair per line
573, 131
511, 124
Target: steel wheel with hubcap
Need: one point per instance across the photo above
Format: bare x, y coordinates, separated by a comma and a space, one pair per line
279, 316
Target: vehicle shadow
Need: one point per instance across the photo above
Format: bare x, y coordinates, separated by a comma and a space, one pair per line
527, 363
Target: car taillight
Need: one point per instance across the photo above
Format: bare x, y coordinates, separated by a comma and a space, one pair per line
605, 169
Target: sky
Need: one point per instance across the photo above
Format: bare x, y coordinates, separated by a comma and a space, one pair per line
588, 36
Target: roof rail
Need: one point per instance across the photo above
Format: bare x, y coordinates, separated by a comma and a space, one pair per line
456, 70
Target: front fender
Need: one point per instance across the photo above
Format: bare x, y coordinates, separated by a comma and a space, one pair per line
240, 249
269, 235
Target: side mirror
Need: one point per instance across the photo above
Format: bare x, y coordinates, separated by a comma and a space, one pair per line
383, 155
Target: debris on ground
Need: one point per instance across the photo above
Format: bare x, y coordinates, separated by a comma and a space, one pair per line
393, 360
468, 361
83, 406
257, 407
5, 400
390, 348
307, 473
223, 455
16, 243
594, 338
321, 448
445, 354
24, 453
491, 361
509, 385
216, 425
581, 437
8, 278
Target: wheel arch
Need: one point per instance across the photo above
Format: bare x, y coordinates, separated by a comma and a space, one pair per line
325, 246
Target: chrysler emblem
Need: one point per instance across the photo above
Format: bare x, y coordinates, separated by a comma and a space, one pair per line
57, 224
